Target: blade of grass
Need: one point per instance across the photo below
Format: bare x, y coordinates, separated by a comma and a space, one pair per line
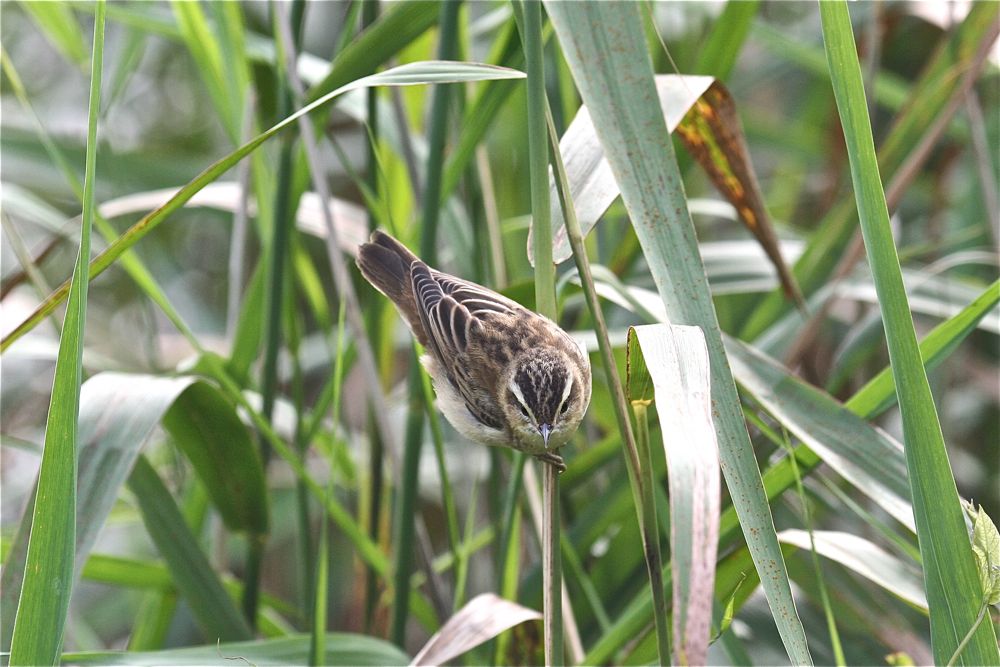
674, 361
410, 74
953, 588
48, 576
192, 574
58, 22
615, 79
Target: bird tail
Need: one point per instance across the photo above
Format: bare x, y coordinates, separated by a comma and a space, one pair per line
385, 263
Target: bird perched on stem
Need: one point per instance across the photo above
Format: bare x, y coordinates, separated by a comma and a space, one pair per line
504, 376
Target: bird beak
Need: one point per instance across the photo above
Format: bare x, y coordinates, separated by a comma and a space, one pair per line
545, 429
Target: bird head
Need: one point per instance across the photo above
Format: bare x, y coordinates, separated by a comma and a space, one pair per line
544, 397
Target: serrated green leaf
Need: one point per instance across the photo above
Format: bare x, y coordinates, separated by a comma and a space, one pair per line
986, 549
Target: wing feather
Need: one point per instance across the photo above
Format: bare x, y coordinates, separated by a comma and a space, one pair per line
451, 328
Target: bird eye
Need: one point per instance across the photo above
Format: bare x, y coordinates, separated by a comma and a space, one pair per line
565, 408
524, 410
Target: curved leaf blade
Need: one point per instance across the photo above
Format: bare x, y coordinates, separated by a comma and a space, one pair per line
615, 79
411, 74
675, 362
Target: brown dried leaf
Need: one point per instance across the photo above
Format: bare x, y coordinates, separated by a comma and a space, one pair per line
713, 134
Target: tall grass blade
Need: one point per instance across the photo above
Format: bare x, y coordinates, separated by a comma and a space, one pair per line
674, 361
214, 609
406, 509
953, 589
616, 82
48, 574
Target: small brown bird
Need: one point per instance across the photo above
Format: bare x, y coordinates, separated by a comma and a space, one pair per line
504, 376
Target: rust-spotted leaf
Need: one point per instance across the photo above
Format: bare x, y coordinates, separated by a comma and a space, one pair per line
711, 131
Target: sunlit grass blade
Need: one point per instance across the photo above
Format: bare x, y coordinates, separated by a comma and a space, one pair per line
482, 618
674, 361
411, 74
616, 82
899, 577
953, 590
58, 22
42, 608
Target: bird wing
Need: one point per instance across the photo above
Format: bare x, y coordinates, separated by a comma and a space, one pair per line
453, 314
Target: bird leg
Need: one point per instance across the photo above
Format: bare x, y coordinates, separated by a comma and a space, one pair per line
553, 459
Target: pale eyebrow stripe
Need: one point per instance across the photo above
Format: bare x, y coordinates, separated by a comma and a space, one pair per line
567, 389
520, 398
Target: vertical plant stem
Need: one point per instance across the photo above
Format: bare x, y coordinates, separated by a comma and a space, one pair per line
650, 526
282, 227
635, 462
552, 568
317, 646
545, 304
831, 621
403, 533
376, 455
306, 566
406, 506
